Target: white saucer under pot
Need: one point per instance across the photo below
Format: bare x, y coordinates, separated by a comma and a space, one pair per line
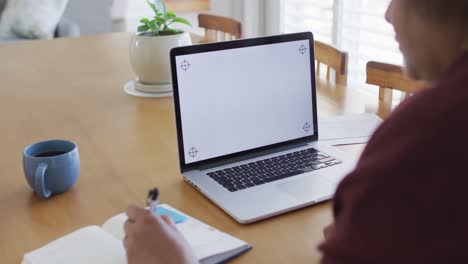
131, 88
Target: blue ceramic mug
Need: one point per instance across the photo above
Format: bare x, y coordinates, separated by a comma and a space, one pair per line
51, 166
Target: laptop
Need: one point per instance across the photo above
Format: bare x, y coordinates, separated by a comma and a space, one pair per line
246, 118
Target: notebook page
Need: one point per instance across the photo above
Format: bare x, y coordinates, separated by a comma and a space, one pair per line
205, 241
115, 226
87, 245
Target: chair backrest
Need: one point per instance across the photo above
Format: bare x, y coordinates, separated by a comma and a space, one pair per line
332, 58
218, 28
390, 77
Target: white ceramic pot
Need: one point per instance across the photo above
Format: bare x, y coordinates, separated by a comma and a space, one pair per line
149, 57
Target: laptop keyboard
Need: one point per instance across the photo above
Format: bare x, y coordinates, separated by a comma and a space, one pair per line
272, 169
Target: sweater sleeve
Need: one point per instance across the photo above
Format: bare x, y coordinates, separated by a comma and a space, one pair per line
405, 202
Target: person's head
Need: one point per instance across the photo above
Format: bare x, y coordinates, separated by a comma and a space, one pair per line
431, 34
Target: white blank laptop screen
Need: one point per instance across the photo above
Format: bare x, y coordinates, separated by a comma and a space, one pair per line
245, 98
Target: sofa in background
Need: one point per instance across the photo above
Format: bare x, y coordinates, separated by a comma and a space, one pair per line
65, 28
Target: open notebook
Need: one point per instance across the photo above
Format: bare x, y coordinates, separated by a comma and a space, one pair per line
104, 245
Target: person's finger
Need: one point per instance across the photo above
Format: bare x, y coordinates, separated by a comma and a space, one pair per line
135, 212
126, 242
168, 221
328, 231
128, 227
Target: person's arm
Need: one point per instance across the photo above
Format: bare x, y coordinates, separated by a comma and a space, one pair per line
153, 239
404, 201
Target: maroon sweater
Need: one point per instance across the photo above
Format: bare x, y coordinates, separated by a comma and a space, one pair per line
407, 199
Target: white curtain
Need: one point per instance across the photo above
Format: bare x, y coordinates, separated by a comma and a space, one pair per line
119, 13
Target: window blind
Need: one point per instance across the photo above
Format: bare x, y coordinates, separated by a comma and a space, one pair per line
309, 15
355, 26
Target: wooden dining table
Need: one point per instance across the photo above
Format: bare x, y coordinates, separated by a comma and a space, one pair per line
73, 89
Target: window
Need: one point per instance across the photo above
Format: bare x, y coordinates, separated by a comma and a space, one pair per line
356, 26
309, 15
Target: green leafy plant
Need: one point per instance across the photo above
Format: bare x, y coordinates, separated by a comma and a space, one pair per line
159, 24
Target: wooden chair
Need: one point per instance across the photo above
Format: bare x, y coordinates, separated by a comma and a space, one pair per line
332, 58
218, 28
390, 77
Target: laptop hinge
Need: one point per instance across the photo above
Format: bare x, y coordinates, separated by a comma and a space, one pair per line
251, 156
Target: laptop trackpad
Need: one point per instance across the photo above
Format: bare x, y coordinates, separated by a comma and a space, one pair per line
307, 188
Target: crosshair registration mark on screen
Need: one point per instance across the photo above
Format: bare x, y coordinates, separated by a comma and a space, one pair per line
185, 65
306, 127
302, 49
193, 152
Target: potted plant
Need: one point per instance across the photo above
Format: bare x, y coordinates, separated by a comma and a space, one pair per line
150, 47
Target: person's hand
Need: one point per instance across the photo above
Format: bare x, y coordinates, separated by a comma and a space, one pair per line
328, 231
153, 239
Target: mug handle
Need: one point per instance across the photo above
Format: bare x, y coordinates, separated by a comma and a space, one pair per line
39, 183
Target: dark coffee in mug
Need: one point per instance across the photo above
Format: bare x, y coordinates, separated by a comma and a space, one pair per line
50, 154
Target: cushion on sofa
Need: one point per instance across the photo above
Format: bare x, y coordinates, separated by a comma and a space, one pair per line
31, 18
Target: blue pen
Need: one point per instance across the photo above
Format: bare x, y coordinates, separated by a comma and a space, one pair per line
152, 200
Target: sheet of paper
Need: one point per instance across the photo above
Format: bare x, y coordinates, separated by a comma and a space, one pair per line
348, 129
